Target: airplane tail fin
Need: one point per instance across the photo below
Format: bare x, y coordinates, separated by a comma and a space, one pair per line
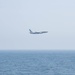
30, 31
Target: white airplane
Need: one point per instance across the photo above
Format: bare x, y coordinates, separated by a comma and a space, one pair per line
37, 32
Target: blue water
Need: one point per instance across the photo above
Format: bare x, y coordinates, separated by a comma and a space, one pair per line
37, 63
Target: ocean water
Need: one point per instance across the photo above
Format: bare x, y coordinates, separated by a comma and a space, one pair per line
37, 63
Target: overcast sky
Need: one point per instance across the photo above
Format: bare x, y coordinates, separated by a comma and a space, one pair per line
55, 16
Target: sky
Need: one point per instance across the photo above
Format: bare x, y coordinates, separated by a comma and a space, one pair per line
55, 16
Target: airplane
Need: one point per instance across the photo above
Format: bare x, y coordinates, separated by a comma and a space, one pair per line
37, 32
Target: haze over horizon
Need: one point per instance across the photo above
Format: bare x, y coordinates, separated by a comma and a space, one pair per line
18, 16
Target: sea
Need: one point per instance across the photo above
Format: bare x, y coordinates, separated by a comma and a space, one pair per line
37, 62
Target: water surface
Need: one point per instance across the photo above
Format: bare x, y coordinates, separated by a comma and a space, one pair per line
37, 63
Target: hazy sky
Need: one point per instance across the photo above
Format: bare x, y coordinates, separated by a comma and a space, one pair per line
55, 16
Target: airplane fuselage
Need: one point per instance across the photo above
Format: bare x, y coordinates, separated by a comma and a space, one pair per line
38, 32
